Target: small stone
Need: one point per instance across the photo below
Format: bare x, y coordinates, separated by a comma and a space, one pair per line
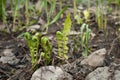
50, 73
8, 52
95, 59
33, 28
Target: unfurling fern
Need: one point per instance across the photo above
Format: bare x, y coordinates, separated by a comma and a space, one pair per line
47, 49
33, 44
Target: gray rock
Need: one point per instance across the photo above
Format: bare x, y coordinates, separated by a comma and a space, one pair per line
117, 75
96, 58
50, 73
101, 73
9, 59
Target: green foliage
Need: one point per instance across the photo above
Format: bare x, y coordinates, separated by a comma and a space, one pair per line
15, 9
85, 36
50, 11
47, 49
62, 38
115, 1
2, 5
58, 16
33, 44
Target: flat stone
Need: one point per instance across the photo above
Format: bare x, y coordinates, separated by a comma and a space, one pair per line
50, 73
96, 58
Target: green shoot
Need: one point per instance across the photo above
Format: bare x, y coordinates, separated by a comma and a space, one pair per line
27, 12
75, 7
85, 36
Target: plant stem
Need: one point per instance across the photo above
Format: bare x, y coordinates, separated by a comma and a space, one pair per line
27, 12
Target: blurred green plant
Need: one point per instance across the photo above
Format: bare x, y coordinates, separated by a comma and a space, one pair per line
86, 15
100, 16
15, 6
62, 38
49, 10
85, 37
15, 9
61, 4
77, 15
3, 12
115, 1
47, 49
75, 7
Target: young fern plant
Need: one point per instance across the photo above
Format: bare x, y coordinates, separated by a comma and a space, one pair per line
85, 36
47, 49
33, 44
62, 38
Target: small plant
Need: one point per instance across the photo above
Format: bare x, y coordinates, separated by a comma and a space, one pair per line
47, 49
33, 44
85, 36
62, 38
